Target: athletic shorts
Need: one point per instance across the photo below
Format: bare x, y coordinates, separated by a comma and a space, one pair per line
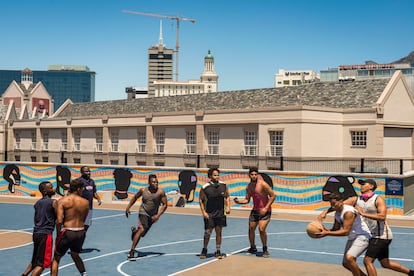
88, 220
378, 249
42, 250
69, 239
255, 215
356, 246
146, 223
211, 222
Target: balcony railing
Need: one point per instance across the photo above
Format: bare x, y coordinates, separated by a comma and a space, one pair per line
213, 149
114, 147
190, 149
45, 146
17, 145
76, 146
160, 148
141, 148
249, 151
274, 151
98, 147
64, 146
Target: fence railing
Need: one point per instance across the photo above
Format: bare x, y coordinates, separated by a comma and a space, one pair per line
280, 163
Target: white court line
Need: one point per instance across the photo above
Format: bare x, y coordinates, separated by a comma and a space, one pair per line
188, 241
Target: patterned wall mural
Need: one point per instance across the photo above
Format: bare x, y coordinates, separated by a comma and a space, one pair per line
294, 191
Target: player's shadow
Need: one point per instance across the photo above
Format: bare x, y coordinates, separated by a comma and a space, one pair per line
141, 254
89, 250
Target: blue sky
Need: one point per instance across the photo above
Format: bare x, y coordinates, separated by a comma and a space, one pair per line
249, 39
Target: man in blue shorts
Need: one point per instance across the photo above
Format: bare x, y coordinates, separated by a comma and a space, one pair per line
44, 220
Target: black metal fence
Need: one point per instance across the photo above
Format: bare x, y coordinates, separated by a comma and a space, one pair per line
281, 163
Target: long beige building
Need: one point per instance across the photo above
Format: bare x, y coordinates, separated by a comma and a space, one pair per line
360, 119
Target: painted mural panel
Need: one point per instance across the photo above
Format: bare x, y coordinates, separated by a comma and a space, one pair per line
293, 191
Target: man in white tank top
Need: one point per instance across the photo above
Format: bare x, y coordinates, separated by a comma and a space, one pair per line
373, 210
349, 223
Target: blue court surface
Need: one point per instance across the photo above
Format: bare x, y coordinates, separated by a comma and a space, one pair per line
174, 242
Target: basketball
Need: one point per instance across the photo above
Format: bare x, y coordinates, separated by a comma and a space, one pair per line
313, 228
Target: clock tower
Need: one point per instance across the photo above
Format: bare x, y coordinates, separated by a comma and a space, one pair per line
209, 77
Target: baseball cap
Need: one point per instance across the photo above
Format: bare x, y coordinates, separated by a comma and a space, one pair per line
370, 181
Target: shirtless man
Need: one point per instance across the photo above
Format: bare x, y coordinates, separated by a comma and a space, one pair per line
263, 197
149, 211
71, 214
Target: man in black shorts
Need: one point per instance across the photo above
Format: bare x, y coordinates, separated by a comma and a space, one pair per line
373, 210
149, 211
71, 214
214, 198
44, 220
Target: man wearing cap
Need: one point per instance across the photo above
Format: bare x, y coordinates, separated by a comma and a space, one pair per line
373, 210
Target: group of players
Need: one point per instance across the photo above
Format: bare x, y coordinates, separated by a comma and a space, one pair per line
362, 219
71, 215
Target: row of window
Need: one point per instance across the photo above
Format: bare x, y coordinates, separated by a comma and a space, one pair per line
250, 148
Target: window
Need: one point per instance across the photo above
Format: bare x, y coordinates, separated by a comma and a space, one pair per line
191, 142
142, 141
276, 143
33, 143
45, 141
286, 82
250, 143
213, 142
99, 142
76, 142
76, 160
159, 142
114, 141
64, 138
359, 138
17, 141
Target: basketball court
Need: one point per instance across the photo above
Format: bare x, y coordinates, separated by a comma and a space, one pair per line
173, 244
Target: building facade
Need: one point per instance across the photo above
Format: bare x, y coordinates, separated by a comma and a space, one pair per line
369, 70
359, 119
208, 82
160, 64
74, 82
295, 77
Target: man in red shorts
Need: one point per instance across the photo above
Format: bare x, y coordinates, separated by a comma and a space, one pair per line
44, 219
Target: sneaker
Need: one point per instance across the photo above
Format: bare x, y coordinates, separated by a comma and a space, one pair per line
252, 250
265, 252
203, 253
133, 231
131, 256
218, 255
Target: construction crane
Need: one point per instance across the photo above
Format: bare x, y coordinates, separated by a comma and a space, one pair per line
177, 20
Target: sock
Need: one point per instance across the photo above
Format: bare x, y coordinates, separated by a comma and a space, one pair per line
218, 246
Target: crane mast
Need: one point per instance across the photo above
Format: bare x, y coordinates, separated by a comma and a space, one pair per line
177, 31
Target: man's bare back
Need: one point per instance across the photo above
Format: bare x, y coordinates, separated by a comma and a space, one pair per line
72, 211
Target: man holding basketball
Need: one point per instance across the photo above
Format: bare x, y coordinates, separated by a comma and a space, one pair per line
348, 223
263, 197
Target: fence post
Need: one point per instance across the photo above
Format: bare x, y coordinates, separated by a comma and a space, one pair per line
281, 163
401, 166
62, 157
362, 165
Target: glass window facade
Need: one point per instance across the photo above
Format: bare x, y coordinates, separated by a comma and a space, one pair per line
78, 86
